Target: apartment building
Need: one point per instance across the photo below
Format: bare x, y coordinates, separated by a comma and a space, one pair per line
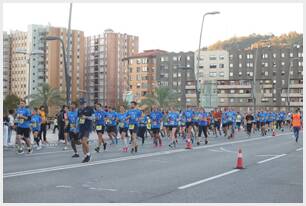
276, 70
142, 73
213, 66
6, 64
176, 71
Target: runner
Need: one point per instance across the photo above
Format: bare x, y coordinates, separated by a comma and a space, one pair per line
36, 124
43, 128
74, 128
100, 126
66, 126
133, 116
23, 127
123, 127
173, 118
85, 115
195, 123
225, 122
296, 124
238, 121
142, 126
249, 121
203, 125
156, 118
111, 124
188, 114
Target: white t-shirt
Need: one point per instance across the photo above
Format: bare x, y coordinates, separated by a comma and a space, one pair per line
11, 120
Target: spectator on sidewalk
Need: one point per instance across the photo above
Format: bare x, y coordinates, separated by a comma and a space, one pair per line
11, 126
5, 130
55, 124
43, 128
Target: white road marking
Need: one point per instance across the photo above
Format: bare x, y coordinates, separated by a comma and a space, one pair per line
225, 150
207, 179
63, 186
272, 158
113, 190
43, 153
299, 149
212, 150
120, 159
92, 188
267, 155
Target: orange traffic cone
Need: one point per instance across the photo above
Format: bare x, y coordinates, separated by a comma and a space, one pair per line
239, 160
188, 145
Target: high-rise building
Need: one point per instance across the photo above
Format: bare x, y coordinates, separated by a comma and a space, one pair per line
6, 64
19, 66
95, 69
55, 67
142, 73
106, 71
176, 71
213, 66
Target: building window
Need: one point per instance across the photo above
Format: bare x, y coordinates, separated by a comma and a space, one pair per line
291, 54
221, 100
232, 91
241, 100
231, 100
240, 73
231, 74
283, 55
274, 64
265, 56
221, 57
240, 56
174, 58
213, 66
231, 65
283, 63
144, 69
240, 65
300, 54
241, 91
251, 74
266, 73
188, 58
212, 57
138, 69
283, 73
131, 70
274, 55
283, 99
212, 74
283, 82
221, 65
221, 74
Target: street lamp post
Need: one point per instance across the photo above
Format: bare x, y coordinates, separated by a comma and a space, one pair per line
67, 78
198, 58
36, 52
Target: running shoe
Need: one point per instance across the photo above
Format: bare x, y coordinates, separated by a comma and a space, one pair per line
76, 155
132, 150
30, 151
97, 149
198, 143
38, 147
206, 142
86, 159
20, 151
65, 148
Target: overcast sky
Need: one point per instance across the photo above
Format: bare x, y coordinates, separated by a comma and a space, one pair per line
168, 26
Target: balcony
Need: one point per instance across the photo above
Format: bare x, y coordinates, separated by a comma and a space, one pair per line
234, 86
191, 96
296, 104
296, 86
267, 86
269, 95
292, 95
190, 87
234, 95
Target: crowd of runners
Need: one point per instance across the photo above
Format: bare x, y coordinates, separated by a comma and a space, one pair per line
128, 125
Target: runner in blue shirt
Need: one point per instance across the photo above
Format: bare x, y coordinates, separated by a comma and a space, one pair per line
23, 127
225, 122
36, 122
123, 127
182, 125
156, 118
133, 116
188, 113
203, 125
74, 128
173, 118
142, 128
111, 123
100, 126
195, 122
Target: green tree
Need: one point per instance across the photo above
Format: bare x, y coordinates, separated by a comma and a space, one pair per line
46, 96
10, 102
162, 96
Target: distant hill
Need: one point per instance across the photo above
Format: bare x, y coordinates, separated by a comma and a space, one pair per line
256, 40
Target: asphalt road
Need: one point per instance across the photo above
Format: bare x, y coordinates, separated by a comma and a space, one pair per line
273, 173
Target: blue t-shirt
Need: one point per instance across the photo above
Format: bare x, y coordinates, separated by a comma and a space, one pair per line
134, 115
143, 121
203, 119
173, 118
111, 118
224, 118
73, 121
122, 119
189, 115
156, 118
36, 121
100, 115
24, 123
